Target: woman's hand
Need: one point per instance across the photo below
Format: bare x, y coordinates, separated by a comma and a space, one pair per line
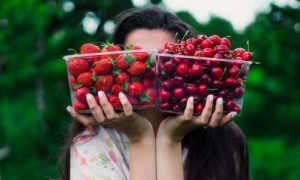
174, 128
133, 125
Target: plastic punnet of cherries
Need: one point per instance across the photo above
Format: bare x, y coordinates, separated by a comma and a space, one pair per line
198, 67
193, 67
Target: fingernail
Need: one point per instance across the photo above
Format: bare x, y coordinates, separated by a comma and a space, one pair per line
220, 101
191, 100
100, 93
89, 97
234, 114
69, 109
210, 97
121, 95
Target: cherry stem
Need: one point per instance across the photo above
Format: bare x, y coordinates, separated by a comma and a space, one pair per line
212, 89
184, 36
242, 68
73, 50
248, 45
175, 37
225, 69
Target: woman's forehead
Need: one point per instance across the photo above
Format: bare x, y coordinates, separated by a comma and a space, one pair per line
149, 39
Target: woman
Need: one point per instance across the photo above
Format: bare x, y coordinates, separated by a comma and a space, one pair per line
149, 144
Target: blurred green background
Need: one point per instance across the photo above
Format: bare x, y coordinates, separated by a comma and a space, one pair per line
34, 35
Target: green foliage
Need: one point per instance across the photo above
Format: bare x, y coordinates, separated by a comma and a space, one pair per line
34, 35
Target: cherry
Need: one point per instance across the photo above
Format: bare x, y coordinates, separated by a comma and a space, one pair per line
192, 41
178, 81
217, 83
199, 108
206, 79
168, 66
198, 53
191, 89
238, 52
238, 92
167, 84
247, 56
208, 52
196, 70
183, 102
179, 93
165, 95
215, 39
176, 108
223, 94
229, 105
202, 89
207, 43
217, 72
171, 46
237, 109
182, 69
222, 49
201, 38
189, 49
165, 106
234, 71
225, 41
230, 82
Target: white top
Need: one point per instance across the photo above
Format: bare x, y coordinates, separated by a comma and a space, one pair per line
101, 156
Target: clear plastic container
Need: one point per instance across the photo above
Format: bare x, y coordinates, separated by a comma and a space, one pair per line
182, 76
132, 72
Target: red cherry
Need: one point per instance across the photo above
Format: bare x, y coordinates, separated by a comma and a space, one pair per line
171, 46
176, 108
201, 38
207, 43
206, 79
179, 93
178, 81
165, 106
247, 56
198, 53
216, 72
190, 49
215, 39
225, 41
192, 41
183, 102
238, 52
168, 66
167, 84
237, 109
199, 108
229, 105
222, 49
164, 95
223, 94
230, 82
202, 89
191, 89
196, 70
238, 92
217, 83
208, 52
182, 69
234, 71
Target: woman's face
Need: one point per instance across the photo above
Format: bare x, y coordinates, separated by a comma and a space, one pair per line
149, 39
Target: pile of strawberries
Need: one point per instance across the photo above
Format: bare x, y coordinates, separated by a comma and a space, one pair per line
198, 67
112, 71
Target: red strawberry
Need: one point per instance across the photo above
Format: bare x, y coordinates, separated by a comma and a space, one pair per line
121, 78
116, 89
148, 97
135, 89
137, 68
108, 47
81, 93
140, 56
77, 66
89, 48
72, 81
123, 61
78, 106
85, 79
104, 83
114, 100
104, 66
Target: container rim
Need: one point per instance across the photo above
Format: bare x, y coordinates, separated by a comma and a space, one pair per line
67, 57
205, 58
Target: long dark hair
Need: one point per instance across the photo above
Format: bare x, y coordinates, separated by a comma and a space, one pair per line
213, 153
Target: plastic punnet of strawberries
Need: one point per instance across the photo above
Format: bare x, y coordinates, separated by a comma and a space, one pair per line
111, 69
198, 67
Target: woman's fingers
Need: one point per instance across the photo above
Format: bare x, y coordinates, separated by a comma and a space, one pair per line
127, 108
216, 117
106, 106
85, 120
189, 109
95, 109
207, 111
228, 118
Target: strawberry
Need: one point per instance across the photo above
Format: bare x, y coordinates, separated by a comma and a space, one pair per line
136, 89
104, 83
77, 66
116, 89
104, 66
78, 106
148, 97
72, 81
114, 100
137, 68
108, 47
89, 48
81, 93
121, 78
123, 61
85, 79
